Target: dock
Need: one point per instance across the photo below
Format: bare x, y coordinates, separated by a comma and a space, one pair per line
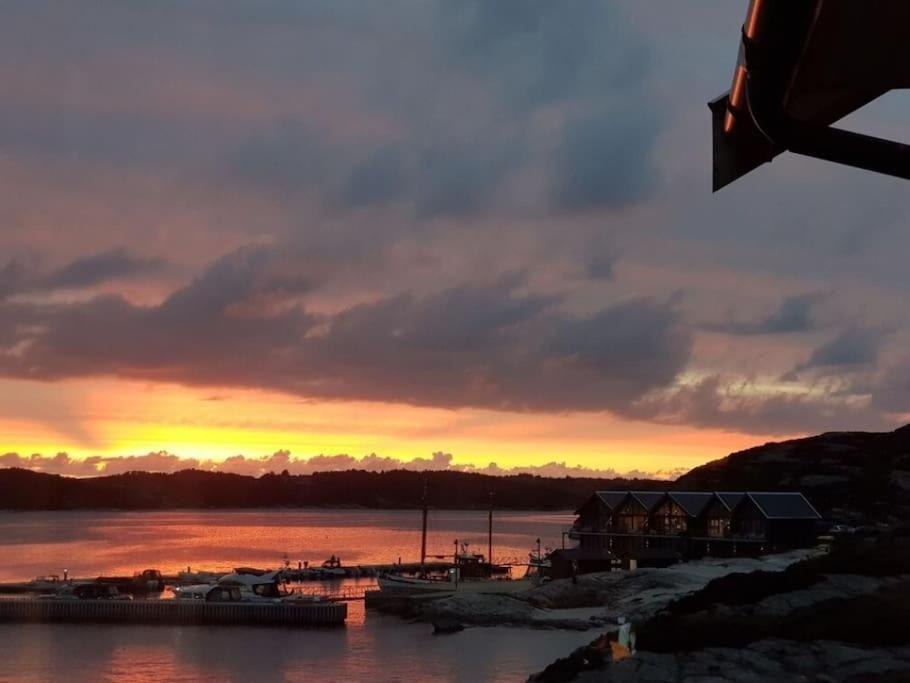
174, 612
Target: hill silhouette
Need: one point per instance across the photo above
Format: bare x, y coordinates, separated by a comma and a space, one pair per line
22, 489
854, 476
845, 474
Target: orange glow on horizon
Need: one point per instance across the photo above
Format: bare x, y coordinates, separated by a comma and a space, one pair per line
118, 418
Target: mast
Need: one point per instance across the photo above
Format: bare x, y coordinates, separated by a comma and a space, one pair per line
423, 531
490, 534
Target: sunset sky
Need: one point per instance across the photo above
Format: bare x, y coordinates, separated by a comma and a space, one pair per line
280, 229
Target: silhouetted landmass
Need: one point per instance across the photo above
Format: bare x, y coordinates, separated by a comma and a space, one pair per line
852, 476
26, 490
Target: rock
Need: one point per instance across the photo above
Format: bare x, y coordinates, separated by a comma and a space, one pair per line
900, 479
441, 626
813, 480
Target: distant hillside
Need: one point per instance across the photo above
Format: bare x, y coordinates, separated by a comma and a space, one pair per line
847, 475
26, 490
860, 472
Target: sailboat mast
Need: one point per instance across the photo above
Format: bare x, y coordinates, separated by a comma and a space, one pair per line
490, 533
423, 531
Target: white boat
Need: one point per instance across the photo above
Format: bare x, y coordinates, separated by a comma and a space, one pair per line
208, 592
255, 586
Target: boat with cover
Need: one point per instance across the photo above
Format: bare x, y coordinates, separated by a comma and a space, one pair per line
243, 585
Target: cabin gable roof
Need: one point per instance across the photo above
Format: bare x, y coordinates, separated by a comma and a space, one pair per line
692, 503
783, 505
649, 499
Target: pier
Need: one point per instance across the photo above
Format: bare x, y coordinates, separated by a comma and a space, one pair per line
328, 613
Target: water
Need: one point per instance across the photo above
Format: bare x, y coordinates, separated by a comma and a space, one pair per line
371, 647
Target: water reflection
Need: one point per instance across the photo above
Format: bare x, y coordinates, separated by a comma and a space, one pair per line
372, 647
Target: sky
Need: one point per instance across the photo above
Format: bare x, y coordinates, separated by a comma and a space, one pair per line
260, 234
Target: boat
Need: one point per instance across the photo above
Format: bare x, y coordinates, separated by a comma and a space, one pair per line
139, 584
241, 586
86, 590
255, 585
475, 565
539, 565
208, 592
332, 568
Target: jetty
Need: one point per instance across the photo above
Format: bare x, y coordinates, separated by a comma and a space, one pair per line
288, 613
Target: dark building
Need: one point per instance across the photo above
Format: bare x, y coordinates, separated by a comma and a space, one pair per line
657, 528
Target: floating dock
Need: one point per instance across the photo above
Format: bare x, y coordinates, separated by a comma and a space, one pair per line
174, 612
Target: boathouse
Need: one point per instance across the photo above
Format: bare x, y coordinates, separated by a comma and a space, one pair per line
657, 528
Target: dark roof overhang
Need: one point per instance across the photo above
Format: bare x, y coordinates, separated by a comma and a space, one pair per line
802, 66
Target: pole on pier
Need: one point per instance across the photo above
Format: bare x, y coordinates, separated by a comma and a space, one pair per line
490, 535
423, 532
455, 558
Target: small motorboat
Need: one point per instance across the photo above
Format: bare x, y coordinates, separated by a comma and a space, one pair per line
332, 568
208, 593
141, 583
86, 590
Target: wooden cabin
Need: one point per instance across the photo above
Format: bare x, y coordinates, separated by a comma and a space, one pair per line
687, 524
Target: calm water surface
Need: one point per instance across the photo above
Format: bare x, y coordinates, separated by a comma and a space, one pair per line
370, 648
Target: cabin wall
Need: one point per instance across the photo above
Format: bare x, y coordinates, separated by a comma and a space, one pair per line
748, 522
631, 518
669, 518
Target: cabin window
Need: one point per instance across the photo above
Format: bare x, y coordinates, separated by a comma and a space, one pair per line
752, 527
632, 522
670, 519
718, 527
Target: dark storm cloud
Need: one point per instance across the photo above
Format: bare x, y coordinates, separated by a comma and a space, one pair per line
116, 263
605, 160
851, 348
378, 179
454, 149
475, 345
111, 264
795, 313
735, 404
288, 157
540, 51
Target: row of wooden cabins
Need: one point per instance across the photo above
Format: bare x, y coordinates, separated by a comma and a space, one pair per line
657, 528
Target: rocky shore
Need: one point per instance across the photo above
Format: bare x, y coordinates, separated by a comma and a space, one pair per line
836, 617
594, 600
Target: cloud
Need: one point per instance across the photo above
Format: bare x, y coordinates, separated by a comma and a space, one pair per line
605, 160
162, 461
242, 323
852, 347
734, 404
796, 313
116, 263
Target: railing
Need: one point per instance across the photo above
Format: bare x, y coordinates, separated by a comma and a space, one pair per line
335, 593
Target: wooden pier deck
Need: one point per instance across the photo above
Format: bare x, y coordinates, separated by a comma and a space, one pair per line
174, 612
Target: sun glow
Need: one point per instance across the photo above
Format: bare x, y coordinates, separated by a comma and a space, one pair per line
114, 417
